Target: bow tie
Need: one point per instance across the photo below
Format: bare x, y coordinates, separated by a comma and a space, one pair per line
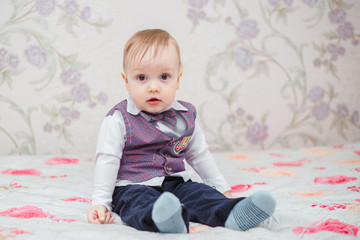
166, 116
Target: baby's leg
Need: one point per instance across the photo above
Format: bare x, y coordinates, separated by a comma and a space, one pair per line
145, 208
251, 211
167, 214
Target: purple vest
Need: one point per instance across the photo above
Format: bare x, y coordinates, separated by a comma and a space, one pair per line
149, 152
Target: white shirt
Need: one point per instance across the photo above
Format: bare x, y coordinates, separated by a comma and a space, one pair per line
111, 142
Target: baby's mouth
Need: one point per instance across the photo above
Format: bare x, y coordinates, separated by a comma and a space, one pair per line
153, 101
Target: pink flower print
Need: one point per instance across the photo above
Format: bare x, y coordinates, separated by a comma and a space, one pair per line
337, 15
70, 76
80, 92
345, 30
256, 133
311, 3
321, 111
247, 29
45, 7
198, 3
316, 94
86, 13
13, 60
243, 58
36, 55
71, 7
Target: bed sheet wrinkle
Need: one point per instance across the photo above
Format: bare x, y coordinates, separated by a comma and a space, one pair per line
317, 191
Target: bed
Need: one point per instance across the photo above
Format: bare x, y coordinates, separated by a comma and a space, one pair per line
317, 192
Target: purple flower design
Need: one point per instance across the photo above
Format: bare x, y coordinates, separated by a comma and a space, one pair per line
3, 52
342, 111
71, 7
321, 111
243, 58
256, 133
75, 114
36, 55
102, 98
355, 117
311, 3
70, 76
231, 118
345, 30
64, 112
317, 62
240, 112
332, 49
2, 62
247, 29
194, 16
45, 7
47, 127
341, 51
289, 2
80, 92
86, 13
274, 2
316, 94
12, 60
337, 15
198, 3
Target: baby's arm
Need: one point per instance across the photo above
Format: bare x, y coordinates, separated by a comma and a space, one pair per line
202, 161
108, 154
100, 215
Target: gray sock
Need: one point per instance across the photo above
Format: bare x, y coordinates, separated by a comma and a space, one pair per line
166, 214
251, 211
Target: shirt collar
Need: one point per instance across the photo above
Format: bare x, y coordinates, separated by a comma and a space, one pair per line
134, 110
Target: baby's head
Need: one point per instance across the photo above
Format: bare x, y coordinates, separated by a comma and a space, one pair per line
143, 41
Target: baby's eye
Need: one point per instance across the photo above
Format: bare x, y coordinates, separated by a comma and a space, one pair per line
165, 77
141, 78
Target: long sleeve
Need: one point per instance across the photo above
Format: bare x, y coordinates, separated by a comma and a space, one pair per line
111, 142
200, 159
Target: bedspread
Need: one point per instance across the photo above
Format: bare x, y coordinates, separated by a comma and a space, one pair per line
317, 192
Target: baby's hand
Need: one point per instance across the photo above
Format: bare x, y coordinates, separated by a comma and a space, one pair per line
100, 215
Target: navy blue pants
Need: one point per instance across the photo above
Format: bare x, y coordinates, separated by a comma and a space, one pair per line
201, 203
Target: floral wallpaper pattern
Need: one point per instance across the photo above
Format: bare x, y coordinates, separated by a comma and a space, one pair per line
278, 74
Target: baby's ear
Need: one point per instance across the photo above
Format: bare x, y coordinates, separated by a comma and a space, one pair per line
178, 79
125, 79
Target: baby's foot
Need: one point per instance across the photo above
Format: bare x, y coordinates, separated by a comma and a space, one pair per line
251, 211
166, 214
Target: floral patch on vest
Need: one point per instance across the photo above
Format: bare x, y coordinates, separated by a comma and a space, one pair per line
181, 145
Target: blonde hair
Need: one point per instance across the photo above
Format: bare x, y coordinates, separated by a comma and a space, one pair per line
138, 45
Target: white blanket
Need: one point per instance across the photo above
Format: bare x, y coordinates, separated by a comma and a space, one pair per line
317, 192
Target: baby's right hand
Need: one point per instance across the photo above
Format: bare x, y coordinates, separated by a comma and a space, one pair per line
100, 215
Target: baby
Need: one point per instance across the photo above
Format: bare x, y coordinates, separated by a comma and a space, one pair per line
143, 142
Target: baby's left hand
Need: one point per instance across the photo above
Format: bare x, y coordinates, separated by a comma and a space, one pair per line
228, 194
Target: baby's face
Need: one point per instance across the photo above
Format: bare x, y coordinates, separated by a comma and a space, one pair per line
153, 82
